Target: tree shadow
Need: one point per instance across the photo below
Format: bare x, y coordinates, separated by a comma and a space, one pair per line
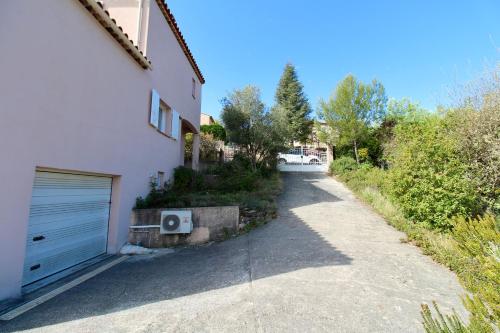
286, 244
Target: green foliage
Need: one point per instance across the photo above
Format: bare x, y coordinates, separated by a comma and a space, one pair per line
233, 183
477, 131
187, 179
237, 175
352, 109
326, 134
216, 130
259, 133
477, 245
363, 154
428, 179
188, 146
404, 110
478, 240
209, 147
290, 96
443, 323
343, 164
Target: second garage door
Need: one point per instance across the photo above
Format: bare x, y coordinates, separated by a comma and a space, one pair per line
68, 222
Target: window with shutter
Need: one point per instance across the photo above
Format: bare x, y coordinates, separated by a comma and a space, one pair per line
163, 118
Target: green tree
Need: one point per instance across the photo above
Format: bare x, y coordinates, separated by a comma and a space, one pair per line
260, 134
404, 109
352, 108
327, 135
290, 97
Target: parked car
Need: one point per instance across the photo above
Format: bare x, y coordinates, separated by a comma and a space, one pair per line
296, 158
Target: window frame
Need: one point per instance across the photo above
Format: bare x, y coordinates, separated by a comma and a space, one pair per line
162, 117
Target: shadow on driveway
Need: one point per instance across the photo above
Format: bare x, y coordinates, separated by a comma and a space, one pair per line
284, 245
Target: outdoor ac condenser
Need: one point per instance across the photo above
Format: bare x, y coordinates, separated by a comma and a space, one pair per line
176, 222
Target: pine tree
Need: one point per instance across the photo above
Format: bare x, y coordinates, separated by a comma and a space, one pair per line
290, 96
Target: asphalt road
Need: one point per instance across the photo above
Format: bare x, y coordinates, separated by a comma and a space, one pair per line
326, 264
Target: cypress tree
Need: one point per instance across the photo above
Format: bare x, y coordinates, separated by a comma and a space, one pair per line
290, 96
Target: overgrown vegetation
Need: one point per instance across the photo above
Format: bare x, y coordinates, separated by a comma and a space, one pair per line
428, 176
209, 147
436, 177
232, 183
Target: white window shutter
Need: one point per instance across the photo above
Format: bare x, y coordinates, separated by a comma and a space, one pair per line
155, 108
175, 124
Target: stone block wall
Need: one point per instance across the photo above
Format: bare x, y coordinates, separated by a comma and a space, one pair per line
209, 224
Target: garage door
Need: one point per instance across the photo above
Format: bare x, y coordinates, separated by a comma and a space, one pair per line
68, 222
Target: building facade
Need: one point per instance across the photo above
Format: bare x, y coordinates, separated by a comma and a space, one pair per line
206, 119
95, 101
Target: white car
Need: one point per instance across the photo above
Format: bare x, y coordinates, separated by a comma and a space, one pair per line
298, 159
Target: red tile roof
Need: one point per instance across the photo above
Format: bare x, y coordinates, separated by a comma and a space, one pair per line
178, 34
116, 31
103, 17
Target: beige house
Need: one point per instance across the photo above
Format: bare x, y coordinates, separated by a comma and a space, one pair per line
206, 119
95, 102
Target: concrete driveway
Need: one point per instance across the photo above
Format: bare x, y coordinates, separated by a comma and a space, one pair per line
327, 264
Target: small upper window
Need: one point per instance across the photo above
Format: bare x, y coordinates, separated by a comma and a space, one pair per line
193, 88
160, 179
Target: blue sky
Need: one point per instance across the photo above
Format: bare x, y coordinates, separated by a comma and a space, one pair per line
417, 49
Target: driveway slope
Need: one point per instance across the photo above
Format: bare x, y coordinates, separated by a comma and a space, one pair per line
326, 264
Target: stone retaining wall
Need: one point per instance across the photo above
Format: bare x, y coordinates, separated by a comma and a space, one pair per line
209, 224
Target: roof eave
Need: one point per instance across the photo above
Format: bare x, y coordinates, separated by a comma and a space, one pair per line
178, 35
103, 17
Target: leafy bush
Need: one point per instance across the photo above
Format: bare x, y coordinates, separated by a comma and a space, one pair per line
209, 147
478, 240
363, 154
478, 136
428, 179
342, 165
477, 247
187, 179
217, 131
236, 175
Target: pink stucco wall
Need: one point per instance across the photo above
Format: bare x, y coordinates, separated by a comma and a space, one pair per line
71, 98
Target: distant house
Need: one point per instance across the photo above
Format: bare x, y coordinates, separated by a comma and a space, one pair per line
206, 119
95, 101
313, 140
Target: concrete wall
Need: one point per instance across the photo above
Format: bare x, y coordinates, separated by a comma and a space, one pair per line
209, 224
71, 98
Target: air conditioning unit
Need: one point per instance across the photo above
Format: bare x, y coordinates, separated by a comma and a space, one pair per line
176, 222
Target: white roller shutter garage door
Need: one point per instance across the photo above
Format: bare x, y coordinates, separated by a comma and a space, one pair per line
68, 222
